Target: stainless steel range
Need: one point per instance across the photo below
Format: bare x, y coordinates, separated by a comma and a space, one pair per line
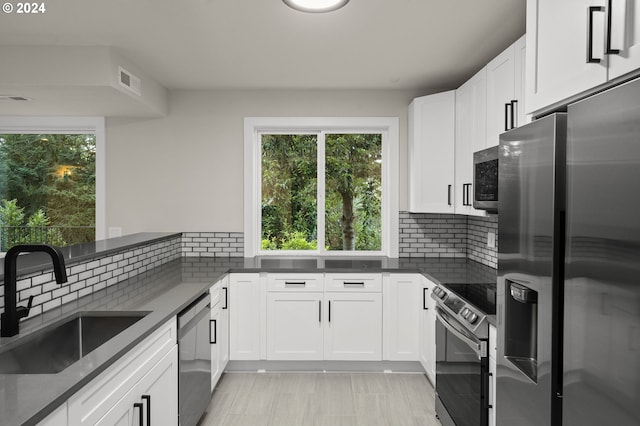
462, 360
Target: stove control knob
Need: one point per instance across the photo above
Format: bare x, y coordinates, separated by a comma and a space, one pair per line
465, 312
473, 318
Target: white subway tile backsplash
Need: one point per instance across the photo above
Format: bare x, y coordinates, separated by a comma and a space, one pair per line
447, 235
213, 244
85, 278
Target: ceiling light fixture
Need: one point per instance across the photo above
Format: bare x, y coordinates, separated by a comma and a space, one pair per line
316, 6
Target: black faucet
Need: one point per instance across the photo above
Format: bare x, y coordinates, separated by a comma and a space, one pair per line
12, 314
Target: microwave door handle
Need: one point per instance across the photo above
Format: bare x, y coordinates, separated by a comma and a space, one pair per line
476, 346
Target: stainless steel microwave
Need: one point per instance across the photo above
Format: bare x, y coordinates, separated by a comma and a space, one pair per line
485, 179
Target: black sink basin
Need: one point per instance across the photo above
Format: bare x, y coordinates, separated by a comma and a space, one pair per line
56, 347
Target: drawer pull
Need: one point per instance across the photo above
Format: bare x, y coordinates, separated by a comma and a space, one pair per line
353, 284
295, 283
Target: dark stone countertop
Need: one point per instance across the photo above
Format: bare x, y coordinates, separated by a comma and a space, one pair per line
165, 291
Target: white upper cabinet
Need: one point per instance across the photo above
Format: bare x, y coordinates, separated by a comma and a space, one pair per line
504, 92
576, 45
625, 37
471, 122
431, 153
520, 50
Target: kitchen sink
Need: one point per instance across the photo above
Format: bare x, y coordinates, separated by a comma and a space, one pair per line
56, 347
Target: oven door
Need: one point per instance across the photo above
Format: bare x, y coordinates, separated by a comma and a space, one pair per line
462, 374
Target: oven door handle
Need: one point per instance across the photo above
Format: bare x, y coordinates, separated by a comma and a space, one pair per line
475, 345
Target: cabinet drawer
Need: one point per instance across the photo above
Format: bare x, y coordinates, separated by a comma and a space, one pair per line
295, 282
353, 282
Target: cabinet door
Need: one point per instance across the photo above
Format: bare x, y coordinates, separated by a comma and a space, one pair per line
500, 94
471, 122
428, 331
215, 345
353, 331
244, 316
492, 374
557, 42
492, 391
124, 412
401, 315
625, 37
103, 396
431, 153
223, 328
520, 67
158, 391
294, 326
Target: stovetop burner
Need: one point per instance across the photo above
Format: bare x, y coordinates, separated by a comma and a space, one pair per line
481, 296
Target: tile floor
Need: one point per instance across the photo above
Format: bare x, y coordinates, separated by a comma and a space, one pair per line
321, 399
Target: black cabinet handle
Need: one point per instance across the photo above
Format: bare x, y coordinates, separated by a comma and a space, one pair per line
466, 196
609, 50
148, 399
320, 311
449, 195
514, 104
215, 331
329, 310
226, 298
424, 298
295, 283
590, 58
139, 405
506, 116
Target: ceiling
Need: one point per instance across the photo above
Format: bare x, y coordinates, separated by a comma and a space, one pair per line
419, 45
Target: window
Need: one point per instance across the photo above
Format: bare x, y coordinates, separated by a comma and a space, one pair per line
325, 191
50, 180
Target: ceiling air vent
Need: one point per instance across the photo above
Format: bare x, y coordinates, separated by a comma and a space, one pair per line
129, 81
13, 98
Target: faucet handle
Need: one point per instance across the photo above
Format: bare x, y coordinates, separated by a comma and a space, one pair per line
22, 311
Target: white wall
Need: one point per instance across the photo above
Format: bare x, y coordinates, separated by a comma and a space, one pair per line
184, 172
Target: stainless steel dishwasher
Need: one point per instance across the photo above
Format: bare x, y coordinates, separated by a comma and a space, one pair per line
194, 382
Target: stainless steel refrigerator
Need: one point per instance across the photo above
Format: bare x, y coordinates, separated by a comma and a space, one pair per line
568, 302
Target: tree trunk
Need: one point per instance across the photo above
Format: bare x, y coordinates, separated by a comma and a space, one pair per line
348, 233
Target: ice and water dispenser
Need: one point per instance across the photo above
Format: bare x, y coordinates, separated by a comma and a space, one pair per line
521, 328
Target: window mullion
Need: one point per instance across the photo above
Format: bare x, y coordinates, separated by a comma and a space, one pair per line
321, 192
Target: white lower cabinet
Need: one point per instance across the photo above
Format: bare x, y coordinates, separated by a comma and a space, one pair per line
154, 399
142, 383
244, 317
306, 323
401, 311
353, 330
219, 329
428, 330
294, 326
492, 374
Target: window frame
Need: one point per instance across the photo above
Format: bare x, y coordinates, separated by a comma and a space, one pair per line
254, 127
69, 125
